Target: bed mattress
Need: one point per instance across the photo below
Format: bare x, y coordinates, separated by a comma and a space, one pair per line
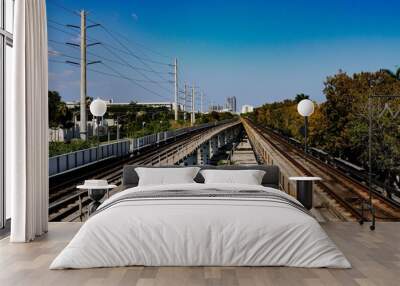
201, 225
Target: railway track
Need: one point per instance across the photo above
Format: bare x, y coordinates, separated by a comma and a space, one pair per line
349, 193
66, 203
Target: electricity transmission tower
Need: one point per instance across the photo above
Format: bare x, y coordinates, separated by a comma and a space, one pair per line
176, 106
83, 64
193, 117
185, 95
202, 102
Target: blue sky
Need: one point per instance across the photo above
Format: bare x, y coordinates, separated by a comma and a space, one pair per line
258, 51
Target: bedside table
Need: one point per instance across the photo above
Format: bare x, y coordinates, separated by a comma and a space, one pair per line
304, 190
96, 191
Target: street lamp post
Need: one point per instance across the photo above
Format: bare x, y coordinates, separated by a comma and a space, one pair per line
118, 121
143, 125
117, 128
305, 109
98, 108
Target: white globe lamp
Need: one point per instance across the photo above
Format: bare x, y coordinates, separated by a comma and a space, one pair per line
98, 107
305, 107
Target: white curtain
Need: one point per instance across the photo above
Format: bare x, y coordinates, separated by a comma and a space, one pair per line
27, 123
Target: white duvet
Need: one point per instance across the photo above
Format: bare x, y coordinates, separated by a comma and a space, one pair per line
202, 232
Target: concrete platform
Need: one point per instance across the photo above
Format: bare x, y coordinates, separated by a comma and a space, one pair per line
375, 257
243, 154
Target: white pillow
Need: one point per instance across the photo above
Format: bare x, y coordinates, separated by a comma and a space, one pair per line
248, 177
166, 176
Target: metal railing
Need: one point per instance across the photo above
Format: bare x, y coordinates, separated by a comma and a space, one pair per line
161, 137
70, 161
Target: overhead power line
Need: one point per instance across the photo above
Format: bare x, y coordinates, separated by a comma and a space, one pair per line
75, 13
108, 59
111, 49
58, 54
123, 60
133, 67
60, 6
123, 76
95, 70
139, 58
118, 56
126, 50
148, 49
120, 76
129, 50
60, 30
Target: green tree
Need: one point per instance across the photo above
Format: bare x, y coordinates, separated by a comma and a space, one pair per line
59, 114
393, 74
340, 124
300, 96
213, 117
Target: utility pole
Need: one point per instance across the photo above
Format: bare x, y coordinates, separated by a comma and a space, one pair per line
176, 88
117, 129
184, 102
83, 64
201, 102
83, 127
193, 118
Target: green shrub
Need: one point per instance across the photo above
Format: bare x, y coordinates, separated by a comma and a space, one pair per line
58, 148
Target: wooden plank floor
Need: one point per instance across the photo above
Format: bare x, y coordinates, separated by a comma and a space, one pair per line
375, 257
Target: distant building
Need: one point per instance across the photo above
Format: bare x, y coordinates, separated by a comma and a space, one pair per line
231, 104
217, 108
72, 104
168, 105
247, 108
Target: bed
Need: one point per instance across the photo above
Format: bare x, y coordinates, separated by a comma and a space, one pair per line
201, 224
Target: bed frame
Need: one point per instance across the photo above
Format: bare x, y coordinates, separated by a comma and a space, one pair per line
271, 178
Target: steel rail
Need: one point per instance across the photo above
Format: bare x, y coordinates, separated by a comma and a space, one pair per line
112, 173
318, 163
261, 130
67, 204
